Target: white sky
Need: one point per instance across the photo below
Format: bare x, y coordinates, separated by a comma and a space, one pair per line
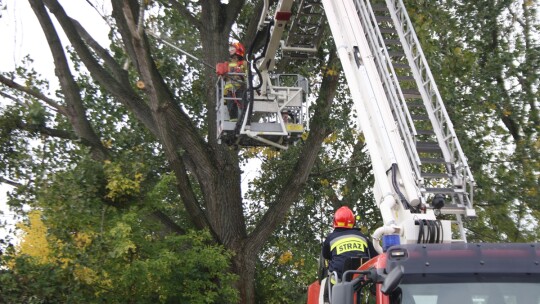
21, 35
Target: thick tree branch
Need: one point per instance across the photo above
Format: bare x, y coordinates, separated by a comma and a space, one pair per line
185, 188
125, 33
74, 106
12, 98
174, 128
62, 134
167, 222
118, 72
34, 93
124, 93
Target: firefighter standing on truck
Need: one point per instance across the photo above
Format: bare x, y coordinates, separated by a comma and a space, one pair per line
235, 84
345, 242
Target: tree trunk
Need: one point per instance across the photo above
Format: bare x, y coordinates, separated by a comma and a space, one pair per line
244, 264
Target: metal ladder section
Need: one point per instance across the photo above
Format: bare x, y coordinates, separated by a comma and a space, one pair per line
306, 30
425, 127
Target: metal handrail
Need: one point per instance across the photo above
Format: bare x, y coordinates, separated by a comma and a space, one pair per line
389, 76
439, 117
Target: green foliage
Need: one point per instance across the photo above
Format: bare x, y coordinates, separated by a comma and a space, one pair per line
24, 281
180, 269
103, 254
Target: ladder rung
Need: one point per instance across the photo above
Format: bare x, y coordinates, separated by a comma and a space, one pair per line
432, 160
401, 66
415, 104
419, 117
411, 93
396, 54
301, 25
383, 18
297, 55
312, 2
304, 35
444, 190
435, 175
454, 210
422, 146
425, 132
385, 30
405, 78
392, 41
379, 7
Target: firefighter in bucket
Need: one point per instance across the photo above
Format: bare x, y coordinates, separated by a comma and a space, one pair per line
235, 81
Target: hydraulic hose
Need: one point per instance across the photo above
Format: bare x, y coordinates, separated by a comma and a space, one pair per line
402, 198
253, 62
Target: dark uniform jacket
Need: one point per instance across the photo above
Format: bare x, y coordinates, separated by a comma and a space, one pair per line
343, 243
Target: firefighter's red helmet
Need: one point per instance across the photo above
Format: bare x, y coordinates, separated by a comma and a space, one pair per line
344, 218
236, 48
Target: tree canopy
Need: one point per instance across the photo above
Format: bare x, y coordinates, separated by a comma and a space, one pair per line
133, 199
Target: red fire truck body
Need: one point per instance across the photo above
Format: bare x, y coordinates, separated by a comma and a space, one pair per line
464, 273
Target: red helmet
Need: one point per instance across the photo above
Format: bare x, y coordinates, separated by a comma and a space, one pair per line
344, 218
236, 48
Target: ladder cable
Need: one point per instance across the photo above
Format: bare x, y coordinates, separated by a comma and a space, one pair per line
151, 33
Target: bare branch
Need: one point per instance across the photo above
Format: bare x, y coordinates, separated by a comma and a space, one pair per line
10, 182
169, 224
12, 98
124, 93
34, 93
76, 112
119, 73
62, 134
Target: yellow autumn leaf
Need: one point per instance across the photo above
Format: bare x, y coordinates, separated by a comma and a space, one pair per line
34, 241
285, 257
331, 138
269, 153
85, 274
107, 143
120, 183
331, 72
82, 239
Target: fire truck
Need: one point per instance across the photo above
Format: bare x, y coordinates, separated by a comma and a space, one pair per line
423, 184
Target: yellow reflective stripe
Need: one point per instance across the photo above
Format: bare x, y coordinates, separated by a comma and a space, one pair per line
349, 243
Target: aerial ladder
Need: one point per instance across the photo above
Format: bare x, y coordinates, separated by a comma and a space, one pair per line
420, 169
